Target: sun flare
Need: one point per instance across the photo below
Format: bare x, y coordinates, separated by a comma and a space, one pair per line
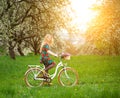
83, 13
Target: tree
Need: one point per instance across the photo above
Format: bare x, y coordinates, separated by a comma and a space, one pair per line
25, 22
13, 16
103, 35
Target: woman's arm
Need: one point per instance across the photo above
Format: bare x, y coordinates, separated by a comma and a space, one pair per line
52, 53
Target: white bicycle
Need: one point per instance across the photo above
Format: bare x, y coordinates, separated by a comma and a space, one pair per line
67, 76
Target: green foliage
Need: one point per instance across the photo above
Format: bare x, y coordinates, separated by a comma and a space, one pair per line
25, 22
98, 78
104, 32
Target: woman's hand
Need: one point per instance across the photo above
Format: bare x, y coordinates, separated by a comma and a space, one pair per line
57, 55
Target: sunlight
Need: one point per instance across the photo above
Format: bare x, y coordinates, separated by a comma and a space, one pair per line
83, 13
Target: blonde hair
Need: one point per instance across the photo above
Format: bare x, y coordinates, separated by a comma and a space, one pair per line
48, 39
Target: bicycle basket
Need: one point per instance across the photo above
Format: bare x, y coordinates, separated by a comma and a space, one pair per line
65, 56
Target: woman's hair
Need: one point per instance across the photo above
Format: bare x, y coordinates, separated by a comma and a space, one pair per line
48, 39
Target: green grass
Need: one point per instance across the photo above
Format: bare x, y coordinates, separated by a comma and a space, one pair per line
99, 77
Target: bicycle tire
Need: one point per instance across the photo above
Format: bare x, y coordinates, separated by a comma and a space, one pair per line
68, 77
29, 78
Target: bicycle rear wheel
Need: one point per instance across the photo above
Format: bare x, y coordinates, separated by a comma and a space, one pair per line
30, 77
68, 77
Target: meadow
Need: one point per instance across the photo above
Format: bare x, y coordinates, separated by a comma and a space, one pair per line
99, 77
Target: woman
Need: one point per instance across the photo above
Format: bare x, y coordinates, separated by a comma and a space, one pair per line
45, 53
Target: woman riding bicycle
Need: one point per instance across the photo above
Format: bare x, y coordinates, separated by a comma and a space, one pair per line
37, 75
45, 53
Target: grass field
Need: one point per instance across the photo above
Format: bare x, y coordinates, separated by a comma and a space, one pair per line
99, 77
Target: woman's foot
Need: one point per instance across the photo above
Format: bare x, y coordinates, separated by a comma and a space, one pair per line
47, 83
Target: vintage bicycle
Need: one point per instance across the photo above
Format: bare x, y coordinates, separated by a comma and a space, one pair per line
67, 76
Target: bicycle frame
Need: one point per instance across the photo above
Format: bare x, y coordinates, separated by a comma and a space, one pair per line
56, 70
52, 76
35, 72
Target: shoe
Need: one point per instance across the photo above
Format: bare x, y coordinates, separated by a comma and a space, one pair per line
50, 83
47, 83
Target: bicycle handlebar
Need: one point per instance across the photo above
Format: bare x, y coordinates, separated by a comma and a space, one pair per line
64, 56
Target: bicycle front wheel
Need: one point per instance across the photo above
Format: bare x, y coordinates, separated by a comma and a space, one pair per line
30, 77
68, 77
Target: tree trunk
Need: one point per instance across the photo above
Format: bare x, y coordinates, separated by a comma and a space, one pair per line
11, 52
20, 50
35, 51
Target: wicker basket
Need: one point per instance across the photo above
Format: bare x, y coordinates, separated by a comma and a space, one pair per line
66, 56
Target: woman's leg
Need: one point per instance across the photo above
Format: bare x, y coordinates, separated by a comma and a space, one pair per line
49, 67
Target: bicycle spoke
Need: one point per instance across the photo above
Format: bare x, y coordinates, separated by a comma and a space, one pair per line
30, 78
68, 77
